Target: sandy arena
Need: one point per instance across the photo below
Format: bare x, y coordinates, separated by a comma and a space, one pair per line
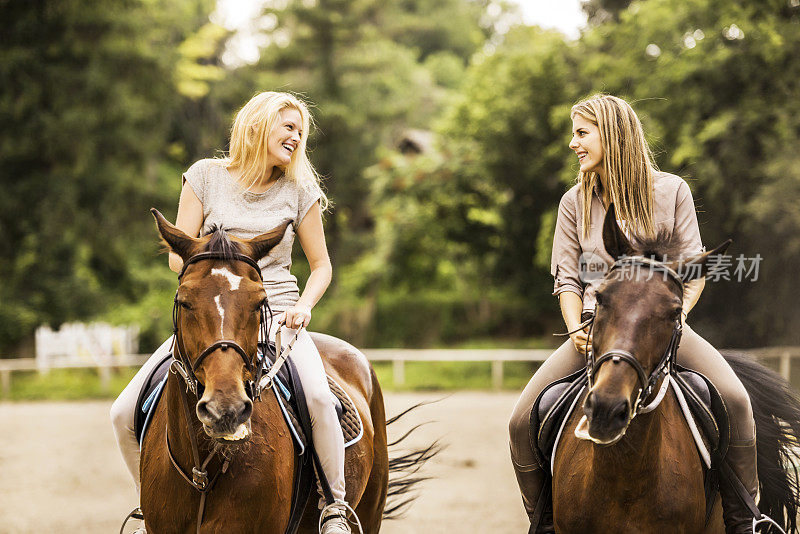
60, 470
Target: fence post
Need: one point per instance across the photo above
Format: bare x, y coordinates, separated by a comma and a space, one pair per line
104, 370
786, 365
497, 375
5, 383
399, 372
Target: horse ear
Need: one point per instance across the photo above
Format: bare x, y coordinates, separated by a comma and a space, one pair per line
260, 245
178, 242
614, 240
699, 265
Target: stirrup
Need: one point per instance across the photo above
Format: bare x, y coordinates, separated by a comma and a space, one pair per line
766, 519
344, 512
136, 513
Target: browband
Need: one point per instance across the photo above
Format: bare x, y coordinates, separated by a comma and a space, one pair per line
220, 256
641, 261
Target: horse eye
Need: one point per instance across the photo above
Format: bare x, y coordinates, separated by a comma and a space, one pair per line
599, 298
185, 305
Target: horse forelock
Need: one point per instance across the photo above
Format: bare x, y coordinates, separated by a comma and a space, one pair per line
664, 246
221, 243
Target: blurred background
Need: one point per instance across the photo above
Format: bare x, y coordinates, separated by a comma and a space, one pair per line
441, 130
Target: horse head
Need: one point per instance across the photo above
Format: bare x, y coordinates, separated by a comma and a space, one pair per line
636, 328
219, 305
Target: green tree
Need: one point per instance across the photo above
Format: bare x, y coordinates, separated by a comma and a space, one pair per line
600, 11
514, 110
717, 85
85, 107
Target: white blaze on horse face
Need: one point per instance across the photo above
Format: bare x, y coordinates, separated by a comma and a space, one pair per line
233, 280
221, 315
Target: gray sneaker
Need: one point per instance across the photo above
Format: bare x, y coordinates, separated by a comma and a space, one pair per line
333, 519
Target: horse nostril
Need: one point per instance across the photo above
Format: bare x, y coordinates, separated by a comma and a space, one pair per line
588, 404
206, 410
247, 410
620, 412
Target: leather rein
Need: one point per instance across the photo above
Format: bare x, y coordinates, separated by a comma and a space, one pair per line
183, 366
647, 383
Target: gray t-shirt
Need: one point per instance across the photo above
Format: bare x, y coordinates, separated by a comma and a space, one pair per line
246, 215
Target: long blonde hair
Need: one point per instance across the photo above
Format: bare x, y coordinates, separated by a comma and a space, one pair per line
627, 161
248, 144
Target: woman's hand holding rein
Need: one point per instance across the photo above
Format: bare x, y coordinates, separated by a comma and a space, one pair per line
295, 317
571, 309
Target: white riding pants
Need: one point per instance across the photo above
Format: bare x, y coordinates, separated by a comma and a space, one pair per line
325, 428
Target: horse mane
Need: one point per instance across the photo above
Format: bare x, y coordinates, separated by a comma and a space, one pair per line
220, 242
664, 246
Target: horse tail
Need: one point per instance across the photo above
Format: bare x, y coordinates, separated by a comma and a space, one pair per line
404, 479
776, 409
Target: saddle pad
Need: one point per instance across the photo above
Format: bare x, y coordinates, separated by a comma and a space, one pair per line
703, 401
149, 395
349, 418
698, 399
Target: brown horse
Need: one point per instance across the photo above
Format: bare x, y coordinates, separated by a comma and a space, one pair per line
252, 472
623, 472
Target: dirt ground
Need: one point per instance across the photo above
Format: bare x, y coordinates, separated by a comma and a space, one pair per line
60, 470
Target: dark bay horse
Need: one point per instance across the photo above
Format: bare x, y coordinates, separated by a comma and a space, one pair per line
252, 472
628, 473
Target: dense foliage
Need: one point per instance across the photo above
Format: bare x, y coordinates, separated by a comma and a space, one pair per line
101, 107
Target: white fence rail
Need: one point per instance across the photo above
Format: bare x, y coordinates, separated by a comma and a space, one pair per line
398, 357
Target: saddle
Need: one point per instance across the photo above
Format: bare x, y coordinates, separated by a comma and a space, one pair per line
700, 403
289, 393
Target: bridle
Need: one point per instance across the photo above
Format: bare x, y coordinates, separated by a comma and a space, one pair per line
666, 364
188, 370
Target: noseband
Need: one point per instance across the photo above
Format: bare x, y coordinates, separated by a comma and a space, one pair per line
187, 369
647, 383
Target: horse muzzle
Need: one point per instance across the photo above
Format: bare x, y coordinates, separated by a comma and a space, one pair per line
605, 421
227, 422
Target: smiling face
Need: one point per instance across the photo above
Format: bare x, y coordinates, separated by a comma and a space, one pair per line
285, 137
587, 144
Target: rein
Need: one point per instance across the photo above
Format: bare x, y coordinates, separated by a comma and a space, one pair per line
182, 366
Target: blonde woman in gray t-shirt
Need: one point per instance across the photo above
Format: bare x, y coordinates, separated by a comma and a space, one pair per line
266, 180
616, 166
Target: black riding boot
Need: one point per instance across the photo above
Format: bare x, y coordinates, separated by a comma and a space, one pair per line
536, 495
738, 515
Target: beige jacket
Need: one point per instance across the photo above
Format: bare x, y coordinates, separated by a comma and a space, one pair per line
580, 262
